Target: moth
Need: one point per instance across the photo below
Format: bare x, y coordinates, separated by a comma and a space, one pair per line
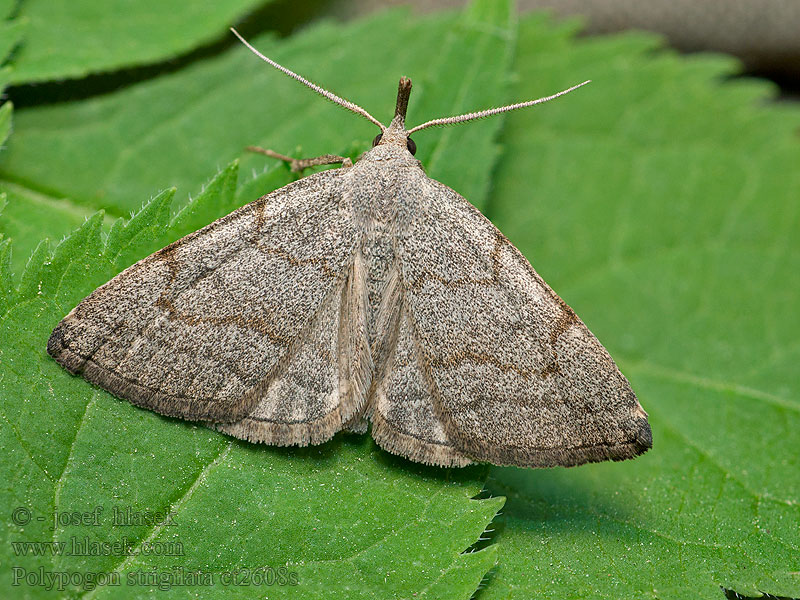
367, 294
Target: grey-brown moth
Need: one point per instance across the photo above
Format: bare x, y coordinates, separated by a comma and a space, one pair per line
365, 294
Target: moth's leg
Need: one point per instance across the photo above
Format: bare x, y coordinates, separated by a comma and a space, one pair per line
298, 165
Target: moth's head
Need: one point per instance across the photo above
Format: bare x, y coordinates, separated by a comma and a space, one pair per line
396, 133
396, 136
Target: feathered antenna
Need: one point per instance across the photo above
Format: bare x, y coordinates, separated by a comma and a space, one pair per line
322, 92
402, 98
491, 111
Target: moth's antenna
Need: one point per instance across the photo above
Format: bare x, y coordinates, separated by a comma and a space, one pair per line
322, 92
491, 111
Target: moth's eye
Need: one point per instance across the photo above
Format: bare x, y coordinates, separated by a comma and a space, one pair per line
377, 140
412, 147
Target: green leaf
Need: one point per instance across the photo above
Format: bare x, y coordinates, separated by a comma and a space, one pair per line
30, 215
5, 122
7, 8
6, 286
661, 203
342, 518
11, 32
77, 38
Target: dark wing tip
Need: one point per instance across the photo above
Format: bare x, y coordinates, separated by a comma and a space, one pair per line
189, 408
58, 348
56, 341
644, 437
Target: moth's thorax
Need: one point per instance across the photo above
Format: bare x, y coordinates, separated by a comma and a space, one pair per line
376, 183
